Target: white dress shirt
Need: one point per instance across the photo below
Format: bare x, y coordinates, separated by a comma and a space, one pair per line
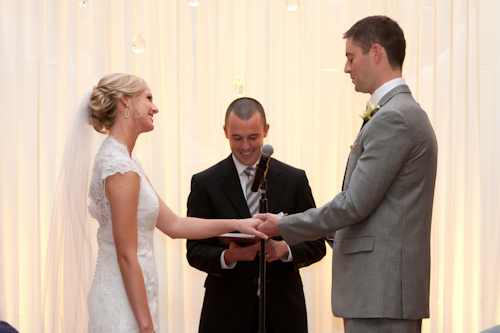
385, 88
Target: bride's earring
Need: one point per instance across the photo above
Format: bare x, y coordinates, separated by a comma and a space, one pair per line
127, 112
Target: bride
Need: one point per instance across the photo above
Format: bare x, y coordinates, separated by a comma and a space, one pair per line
124, 292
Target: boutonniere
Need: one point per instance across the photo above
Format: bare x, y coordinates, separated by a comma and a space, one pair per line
370, 111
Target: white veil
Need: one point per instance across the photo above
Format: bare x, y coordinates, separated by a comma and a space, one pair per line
70, 262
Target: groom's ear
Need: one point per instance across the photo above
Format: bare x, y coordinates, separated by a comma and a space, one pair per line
376, 52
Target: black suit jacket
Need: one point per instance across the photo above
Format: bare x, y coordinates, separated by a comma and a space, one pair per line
230, 297
6, 328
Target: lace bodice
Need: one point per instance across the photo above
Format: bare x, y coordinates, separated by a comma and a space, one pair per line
109, 307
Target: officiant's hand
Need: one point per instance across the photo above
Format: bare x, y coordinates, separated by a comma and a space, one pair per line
241, 253
275, 250
269, 226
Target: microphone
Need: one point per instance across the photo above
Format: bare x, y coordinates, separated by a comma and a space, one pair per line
261, 170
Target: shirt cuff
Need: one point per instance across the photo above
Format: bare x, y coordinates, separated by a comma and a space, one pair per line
290, 256
329, 239
223, 264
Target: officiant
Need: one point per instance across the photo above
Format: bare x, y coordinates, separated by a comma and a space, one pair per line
231, 302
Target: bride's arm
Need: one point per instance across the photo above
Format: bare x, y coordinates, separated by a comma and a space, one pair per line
122, 192
195, 228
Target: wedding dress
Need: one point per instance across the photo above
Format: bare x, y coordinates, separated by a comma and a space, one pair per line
109, 308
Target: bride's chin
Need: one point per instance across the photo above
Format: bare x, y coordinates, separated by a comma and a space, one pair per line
147, 128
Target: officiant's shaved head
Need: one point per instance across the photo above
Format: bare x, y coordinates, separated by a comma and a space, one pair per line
244, 108
380, 30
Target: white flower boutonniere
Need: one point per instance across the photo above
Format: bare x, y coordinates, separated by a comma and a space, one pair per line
370, 110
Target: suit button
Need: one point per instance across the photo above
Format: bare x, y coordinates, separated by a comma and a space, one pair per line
254, 280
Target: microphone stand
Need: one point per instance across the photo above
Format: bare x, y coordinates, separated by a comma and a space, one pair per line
263, 208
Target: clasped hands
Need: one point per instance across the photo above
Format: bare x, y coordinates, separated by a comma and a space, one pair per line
263, 226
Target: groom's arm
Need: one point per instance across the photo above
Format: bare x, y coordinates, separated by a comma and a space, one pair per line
386, 147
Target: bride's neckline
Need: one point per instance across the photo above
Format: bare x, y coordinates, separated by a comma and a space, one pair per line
119, 144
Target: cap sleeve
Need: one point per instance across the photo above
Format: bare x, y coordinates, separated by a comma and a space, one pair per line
120, 165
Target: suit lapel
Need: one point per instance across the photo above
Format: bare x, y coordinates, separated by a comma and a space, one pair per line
275, 186
387, 97
231, 185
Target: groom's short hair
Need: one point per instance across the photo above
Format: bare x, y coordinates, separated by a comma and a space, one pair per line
380, 30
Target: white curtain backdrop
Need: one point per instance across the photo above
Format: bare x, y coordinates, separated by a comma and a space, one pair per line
52, 51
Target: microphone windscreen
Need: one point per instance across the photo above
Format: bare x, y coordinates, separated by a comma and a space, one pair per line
267, 150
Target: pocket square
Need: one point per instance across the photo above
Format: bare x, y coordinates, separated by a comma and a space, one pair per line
354, 145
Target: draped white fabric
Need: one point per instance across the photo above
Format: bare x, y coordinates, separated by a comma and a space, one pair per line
52, 51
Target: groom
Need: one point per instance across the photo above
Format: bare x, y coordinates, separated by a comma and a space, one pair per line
382, 218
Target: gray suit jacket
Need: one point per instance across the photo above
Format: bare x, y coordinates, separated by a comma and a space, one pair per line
382, 218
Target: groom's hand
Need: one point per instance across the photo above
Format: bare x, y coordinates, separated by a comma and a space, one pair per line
270, 224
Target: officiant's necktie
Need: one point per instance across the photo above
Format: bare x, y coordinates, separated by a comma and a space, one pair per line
252, 197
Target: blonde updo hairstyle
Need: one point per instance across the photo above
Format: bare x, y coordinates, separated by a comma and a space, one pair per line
105, 96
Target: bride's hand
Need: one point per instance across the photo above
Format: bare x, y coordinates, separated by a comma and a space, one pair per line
249, 226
